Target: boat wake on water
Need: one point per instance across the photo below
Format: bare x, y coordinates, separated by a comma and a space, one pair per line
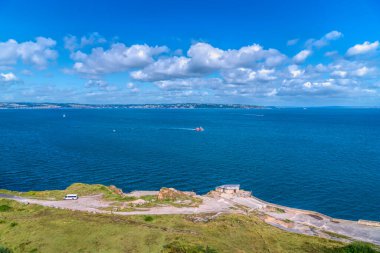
179, 128
197, 129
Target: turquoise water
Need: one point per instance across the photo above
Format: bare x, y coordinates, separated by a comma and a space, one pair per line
326, 160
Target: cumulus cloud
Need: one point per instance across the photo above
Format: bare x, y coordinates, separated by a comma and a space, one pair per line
132, 87
301, 56
362, 71
295, 71
252, 71
325, 40
8, 77
203, 58
118, 58
203, 70
96, 83
37, 53
189, 84
246, 75
361, 49
72, 43
351, 69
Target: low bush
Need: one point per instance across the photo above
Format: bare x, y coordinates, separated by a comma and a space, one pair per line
5, 250
356, 247
5, 208
148, 218
178, 247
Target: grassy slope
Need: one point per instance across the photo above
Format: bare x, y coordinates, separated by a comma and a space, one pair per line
95, 189
41, 229
78, 188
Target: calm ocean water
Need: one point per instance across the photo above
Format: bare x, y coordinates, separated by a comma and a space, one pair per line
326, 160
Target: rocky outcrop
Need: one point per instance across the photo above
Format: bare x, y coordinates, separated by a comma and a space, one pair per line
239, 193
116, 190
173, 194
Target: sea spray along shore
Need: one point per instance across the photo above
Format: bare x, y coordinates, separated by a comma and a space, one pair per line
184, 219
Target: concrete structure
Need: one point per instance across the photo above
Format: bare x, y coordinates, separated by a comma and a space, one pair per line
228, 188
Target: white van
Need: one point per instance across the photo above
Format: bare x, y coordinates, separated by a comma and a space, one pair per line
71, 197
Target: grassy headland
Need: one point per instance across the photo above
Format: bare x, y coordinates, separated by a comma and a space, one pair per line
34, 228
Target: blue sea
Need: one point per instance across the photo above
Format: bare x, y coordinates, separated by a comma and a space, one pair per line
322, 159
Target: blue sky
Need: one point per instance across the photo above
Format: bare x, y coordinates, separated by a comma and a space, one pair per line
255, 52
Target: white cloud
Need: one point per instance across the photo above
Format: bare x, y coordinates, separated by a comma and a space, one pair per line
73, 43
325, 40
365, 48
247, 75
331, 53
190, 84
118, 58
166, 68
203, 58
37, 53
132, 87
240, 75
70, 42
96, 83
295, 71
334, 35
8, 77
361, 71
203, 70
292, 42
308, 85
339, 73
301, 56
248, 72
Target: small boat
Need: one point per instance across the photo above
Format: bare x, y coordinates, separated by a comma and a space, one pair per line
199, 129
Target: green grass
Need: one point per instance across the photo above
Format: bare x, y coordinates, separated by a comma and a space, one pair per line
279, 210
178, 247
77, 188
355, 247
195, 202
149, 198
336, 235
42, 229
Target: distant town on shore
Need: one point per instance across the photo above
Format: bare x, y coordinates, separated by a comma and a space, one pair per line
21, 105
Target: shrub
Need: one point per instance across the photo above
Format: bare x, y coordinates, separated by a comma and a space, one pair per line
178, 247
5, 208
356, 247
13, 224
5, 250
148, 218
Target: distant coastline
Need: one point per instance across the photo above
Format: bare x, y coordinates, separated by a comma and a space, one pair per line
26, 105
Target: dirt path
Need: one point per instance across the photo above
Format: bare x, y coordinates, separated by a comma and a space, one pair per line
289, 219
